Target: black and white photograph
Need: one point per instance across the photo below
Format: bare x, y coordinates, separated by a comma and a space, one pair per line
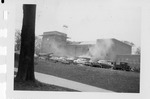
77, 46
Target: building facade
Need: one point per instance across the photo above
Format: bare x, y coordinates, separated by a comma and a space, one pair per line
56, 42
53, 42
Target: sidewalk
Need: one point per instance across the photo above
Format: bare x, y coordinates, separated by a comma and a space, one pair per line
66, 83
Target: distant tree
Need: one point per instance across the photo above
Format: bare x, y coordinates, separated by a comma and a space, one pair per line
38, 42
26, 57
17, 40
138, 51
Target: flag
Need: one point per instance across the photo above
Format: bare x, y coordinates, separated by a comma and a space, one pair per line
65, 26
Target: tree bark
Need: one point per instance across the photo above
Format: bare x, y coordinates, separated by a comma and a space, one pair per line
26, 58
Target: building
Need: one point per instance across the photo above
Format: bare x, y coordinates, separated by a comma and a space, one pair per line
119, 48
101, 49
57, 43
53, 42
80, 48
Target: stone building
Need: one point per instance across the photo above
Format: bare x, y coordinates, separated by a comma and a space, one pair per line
56, 42
53, 42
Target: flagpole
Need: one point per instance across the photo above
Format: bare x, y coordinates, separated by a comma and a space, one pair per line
65, 28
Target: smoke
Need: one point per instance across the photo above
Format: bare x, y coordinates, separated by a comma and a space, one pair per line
57, 48
101, 50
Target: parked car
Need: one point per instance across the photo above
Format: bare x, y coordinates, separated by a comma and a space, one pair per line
105, 64
96, 64
80, 61
70, 59
122, 66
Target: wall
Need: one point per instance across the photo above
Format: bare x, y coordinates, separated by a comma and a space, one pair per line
119, 48
70, 50
53, 44
82, 50
57, 44
76, 50
107, 49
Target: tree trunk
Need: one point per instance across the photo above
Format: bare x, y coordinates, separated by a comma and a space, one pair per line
26, 58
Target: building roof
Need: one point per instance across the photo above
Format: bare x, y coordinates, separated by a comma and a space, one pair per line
121, 42
83, 43
88, 43
113, 39
73, 42
54, 33
129, 55
95, 42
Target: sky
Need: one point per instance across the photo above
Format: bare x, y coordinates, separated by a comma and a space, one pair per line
86, 20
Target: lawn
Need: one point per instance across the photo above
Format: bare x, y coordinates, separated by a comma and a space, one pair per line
114, 80
38, 86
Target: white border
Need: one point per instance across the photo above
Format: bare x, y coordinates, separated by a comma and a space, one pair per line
145, 82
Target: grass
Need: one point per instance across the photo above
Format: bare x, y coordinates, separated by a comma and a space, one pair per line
114, 80
37, 86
